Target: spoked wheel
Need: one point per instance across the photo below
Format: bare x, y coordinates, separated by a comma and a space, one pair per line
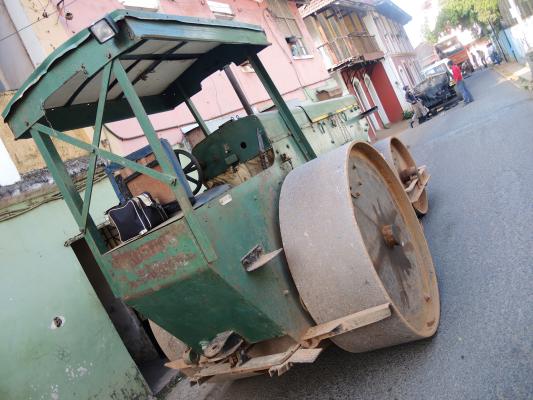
405, 168
352, 242
192, 169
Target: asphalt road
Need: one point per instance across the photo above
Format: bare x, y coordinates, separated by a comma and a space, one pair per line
479, 230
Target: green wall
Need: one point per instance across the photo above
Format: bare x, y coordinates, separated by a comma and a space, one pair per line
42, 279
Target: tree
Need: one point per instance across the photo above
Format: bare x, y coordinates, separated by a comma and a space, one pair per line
467, 14
428, 34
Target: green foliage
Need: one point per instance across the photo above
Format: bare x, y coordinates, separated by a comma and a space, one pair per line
407, 114
467, 14
428, 34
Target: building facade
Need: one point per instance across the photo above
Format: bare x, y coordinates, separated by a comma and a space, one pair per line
366, 43
292, 60
516, 37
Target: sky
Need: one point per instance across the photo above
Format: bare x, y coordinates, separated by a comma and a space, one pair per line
414, 9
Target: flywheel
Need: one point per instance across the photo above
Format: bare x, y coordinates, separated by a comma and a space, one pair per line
352, 242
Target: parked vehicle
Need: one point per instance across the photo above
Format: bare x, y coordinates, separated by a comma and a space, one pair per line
452, 49
437, 90
305, 232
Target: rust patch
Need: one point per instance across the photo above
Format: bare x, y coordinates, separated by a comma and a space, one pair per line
402, 266
127, 258
160, 270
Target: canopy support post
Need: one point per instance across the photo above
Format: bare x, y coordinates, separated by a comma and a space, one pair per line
68, 190
106, 75
149, 131
192, 108
286, 115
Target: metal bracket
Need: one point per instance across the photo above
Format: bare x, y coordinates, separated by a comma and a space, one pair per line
316, 334
255, 258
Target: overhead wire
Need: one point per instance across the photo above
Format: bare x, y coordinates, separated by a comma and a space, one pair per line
57, 10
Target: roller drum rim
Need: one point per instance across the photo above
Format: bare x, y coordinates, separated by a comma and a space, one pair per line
385, 147
336, 277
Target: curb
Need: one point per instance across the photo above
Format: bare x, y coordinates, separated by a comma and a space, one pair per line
518, 81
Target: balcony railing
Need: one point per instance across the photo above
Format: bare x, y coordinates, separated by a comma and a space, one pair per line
343, 49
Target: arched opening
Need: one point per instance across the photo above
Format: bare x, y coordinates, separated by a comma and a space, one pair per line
361, 96
376, 100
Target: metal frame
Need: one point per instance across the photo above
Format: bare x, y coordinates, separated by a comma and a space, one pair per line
80, 208
288, 118
306, 350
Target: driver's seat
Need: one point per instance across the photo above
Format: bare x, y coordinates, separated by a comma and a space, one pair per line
128, 183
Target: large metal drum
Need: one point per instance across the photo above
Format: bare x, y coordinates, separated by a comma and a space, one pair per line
352, 241
404, 165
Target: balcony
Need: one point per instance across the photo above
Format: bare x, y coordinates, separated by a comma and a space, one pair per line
349, 50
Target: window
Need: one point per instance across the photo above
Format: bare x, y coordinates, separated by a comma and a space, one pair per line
143, 5
220, 10
286, 23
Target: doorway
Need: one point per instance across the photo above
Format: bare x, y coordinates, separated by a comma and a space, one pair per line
361, 96
376, 100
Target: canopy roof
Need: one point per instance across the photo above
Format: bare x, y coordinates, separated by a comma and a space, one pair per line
157, 51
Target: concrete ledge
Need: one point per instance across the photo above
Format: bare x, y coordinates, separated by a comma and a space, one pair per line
517, 73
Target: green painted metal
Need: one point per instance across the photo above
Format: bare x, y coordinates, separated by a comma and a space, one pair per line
235, 142
161, 157
68, 190
187, 274
192, 108
41, 279
287, 116
165, 277
96, 142
83, 53
336, 122
168, 179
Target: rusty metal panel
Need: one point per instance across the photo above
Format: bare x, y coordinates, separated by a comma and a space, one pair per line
153, 261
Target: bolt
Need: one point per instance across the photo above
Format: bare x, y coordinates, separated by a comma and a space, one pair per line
391, 235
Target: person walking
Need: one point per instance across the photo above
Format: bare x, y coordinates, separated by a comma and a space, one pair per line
493, 54
420, 111
481, 55
460, 83
474, 60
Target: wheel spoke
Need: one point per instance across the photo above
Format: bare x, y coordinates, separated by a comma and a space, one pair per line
189, 168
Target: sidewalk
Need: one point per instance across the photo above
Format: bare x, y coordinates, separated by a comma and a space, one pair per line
518, 73
393, 129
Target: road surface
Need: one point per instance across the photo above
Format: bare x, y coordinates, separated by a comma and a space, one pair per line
480, 232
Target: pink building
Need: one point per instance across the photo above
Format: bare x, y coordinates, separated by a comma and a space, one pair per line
292, 61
